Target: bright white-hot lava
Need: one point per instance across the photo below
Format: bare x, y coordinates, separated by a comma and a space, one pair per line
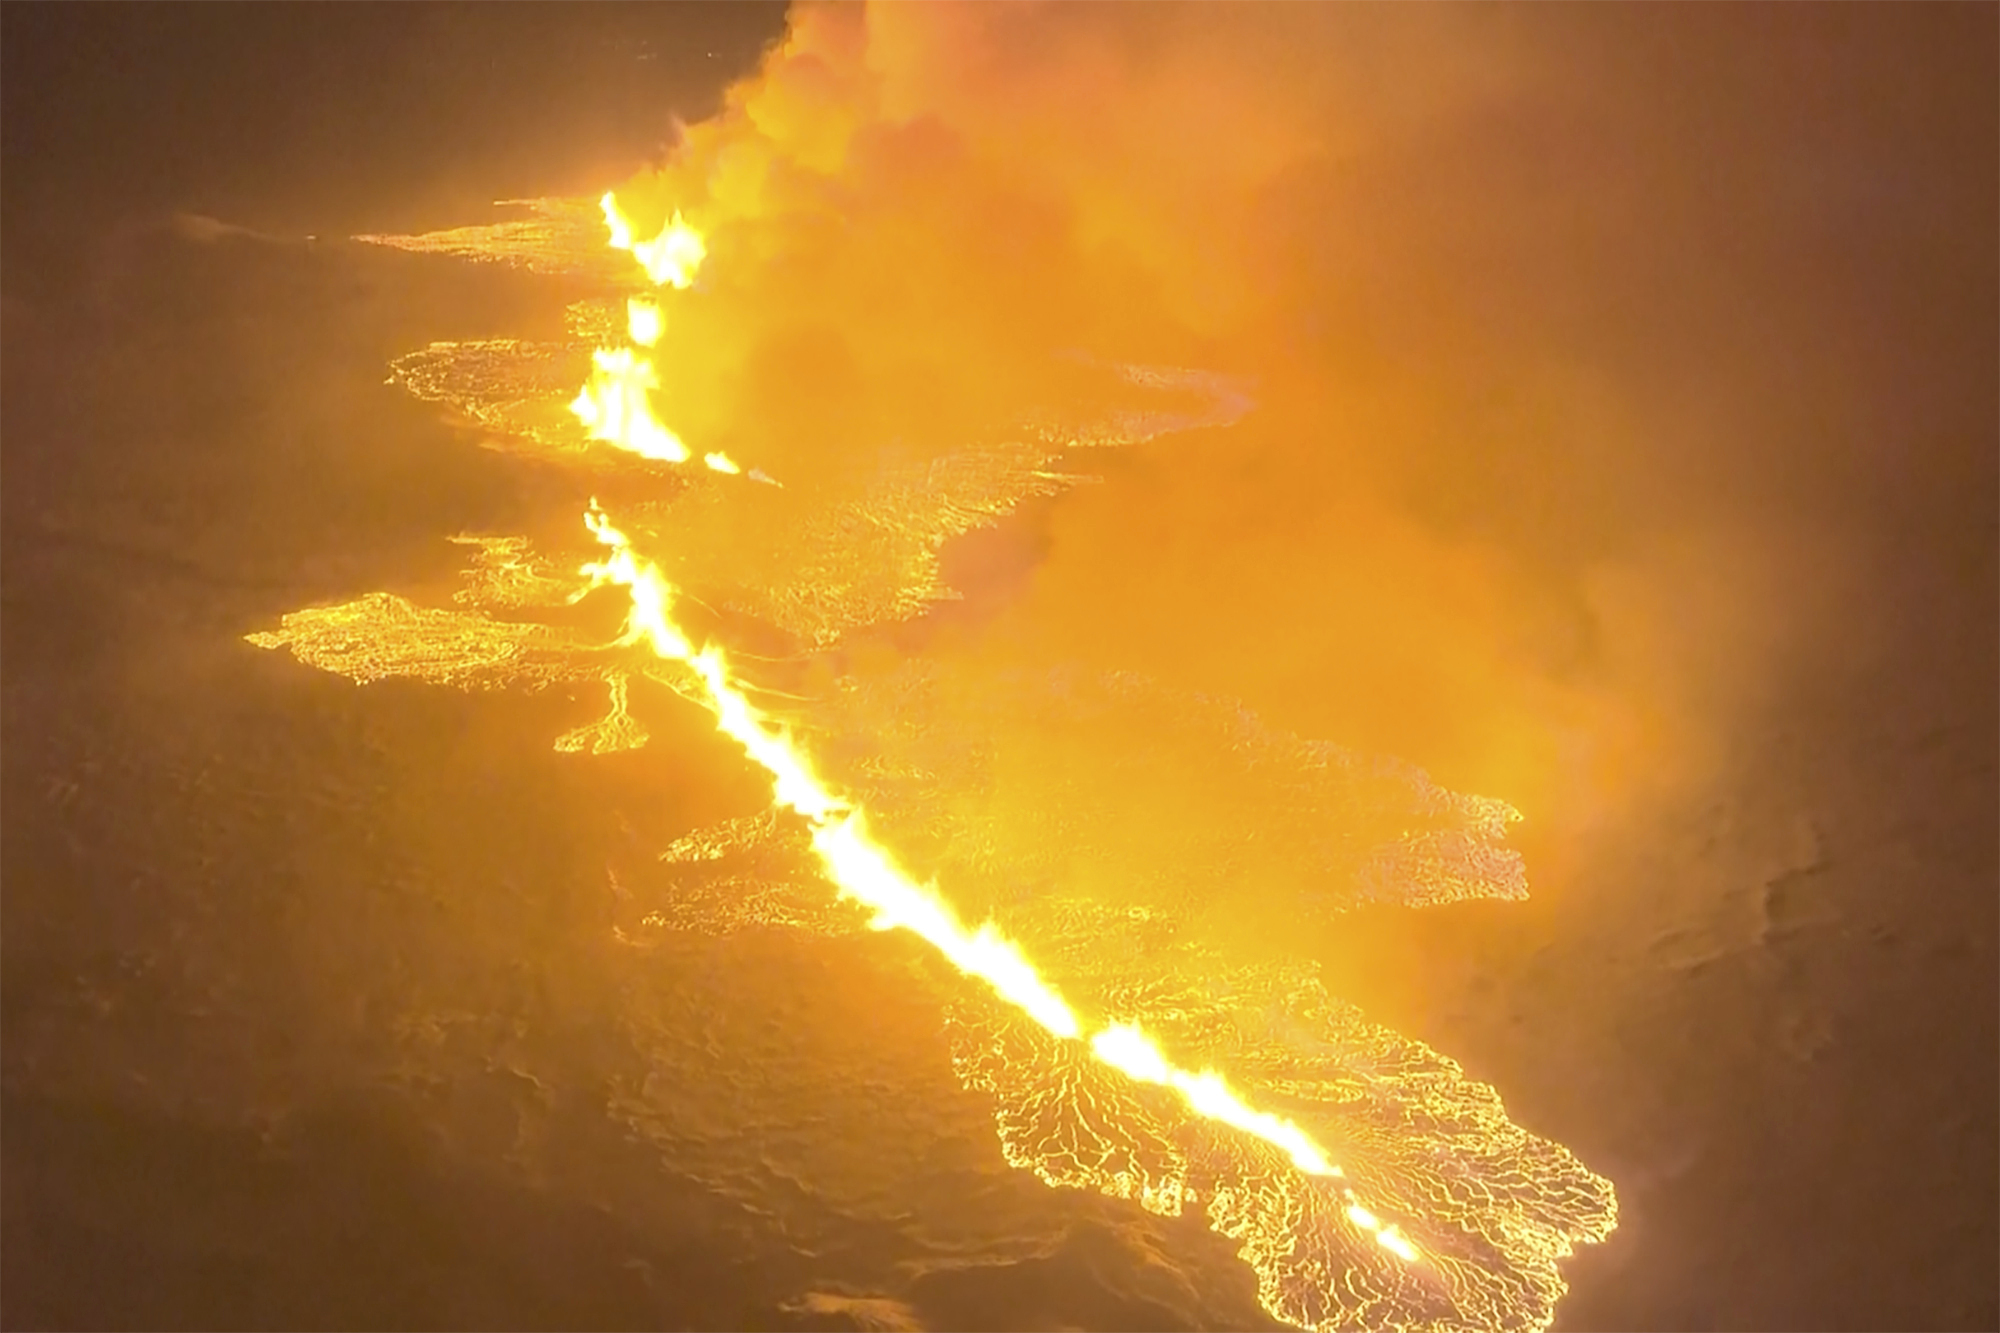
644, 321
616, 406
868, 873
670, 258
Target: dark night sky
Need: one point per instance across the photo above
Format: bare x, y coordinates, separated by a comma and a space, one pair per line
297, 117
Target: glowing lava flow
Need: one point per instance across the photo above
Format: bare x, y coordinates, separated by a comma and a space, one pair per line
670, 259
616, 406
864, 871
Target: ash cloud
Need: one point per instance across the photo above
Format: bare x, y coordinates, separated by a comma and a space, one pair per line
1600, 353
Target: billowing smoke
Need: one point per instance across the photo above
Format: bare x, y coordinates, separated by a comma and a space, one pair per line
1591, 347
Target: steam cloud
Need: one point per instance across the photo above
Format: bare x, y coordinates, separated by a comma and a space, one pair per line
1555, 421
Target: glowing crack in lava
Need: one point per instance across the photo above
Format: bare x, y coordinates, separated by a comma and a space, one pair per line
860, 867
865, 871
670, 258
617, 405
1367, 1182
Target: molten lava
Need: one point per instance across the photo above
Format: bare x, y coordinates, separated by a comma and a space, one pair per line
616, 406
670, 258
866, 872
1084, 1094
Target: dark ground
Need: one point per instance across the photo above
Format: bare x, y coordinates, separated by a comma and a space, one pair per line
1775, 1029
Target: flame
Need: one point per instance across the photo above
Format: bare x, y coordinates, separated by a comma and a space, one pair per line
616, 406
670, 259
644, 321
864, 871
